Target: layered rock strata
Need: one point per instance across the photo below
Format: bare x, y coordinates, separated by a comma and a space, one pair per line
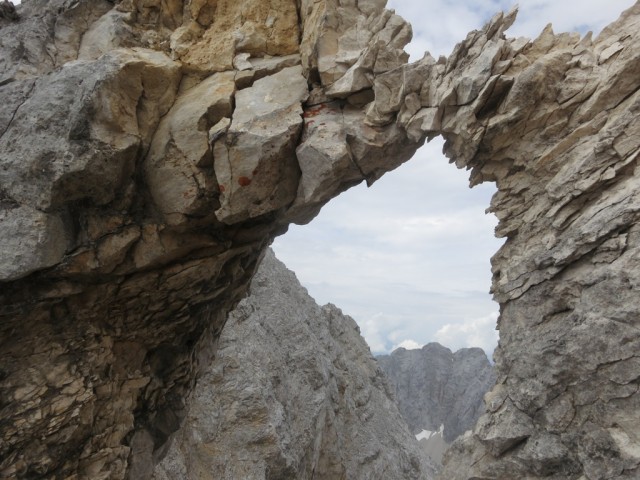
137, 193
553, 122
294, 392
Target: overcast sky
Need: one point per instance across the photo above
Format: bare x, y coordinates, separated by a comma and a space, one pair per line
408, 258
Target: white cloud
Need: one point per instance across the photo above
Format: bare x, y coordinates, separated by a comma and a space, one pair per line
475, 332
567, 15
370, 328
404, 257
407, 345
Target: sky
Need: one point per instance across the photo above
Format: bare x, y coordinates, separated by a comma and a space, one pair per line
408, 258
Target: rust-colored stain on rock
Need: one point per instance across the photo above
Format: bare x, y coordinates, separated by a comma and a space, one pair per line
244, 181
313, 111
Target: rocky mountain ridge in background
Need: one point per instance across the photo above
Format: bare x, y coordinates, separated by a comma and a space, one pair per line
437, 390
435, 386
293, 392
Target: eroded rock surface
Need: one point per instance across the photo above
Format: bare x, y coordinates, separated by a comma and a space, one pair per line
122, 254
552, 123
293, 393
148, 156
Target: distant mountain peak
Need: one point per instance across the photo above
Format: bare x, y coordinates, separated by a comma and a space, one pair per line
435, 386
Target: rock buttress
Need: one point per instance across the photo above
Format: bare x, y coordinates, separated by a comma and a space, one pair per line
293, 393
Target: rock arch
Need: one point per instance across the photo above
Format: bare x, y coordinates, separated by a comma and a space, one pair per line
149, 153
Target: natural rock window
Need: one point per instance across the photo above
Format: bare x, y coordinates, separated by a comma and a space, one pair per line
408, 258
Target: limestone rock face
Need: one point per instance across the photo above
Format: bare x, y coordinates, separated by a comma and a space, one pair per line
148, 156
83, 145
219, 29
439, 393
347, 43
121, 254
566, 398
435, 387
292, 393
257, 169
178, 165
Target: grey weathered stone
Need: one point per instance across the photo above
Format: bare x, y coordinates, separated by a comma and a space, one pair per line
178, 166
254, 163
292, 393
8, 10
32, 239
336, 35
439, 393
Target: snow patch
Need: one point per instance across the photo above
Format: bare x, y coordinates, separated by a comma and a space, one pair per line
427, 434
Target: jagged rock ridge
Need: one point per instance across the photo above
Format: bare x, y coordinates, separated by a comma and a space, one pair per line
439, 391
434, 386
294, 392
136, 195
